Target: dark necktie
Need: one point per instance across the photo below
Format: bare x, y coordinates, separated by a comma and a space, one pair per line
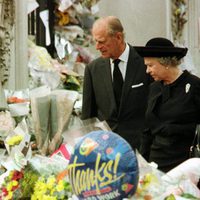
117, 81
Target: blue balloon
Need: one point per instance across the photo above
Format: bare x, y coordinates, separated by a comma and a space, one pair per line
102, 167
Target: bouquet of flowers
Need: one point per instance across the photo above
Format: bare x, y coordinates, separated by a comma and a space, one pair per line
183, 180
53, 182
150, 186
18, 103
51, 188
10, 187
45, 178
15, 184
18, 147
177, 184
51, 112
7, 123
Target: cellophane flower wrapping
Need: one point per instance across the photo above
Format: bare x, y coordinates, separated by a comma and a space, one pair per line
51, 113
16, 176
53, 180
183, 179
77, 128
18, 184
18, 148
7, 124
150, 184
177, 184
62, 103
40, 109
42, 178
18, 102
42, 69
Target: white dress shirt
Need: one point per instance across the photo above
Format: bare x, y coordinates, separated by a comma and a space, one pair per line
123, 63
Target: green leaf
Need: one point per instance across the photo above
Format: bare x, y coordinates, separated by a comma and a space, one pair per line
170, 197
189, 196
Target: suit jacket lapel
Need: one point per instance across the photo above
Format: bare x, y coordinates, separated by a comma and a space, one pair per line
131, 72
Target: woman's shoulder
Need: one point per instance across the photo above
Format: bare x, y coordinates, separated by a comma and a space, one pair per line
192, 78
191, 81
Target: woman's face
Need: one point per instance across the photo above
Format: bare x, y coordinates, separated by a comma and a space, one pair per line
155, 69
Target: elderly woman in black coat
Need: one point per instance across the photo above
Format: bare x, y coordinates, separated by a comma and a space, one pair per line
173, 109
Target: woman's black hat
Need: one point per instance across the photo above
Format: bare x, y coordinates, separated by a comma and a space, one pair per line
160, 47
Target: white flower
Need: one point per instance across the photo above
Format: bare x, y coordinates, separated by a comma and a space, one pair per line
6, 122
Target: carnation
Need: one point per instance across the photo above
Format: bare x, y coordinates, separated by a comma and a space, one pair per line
6, 121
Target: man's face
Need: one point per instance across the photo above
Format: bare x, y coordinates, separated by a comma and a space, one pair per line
107, 44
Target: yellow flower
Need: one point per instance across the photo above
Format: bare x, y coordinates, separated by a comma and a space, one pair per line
177, 11
47, 197
60, 186
49, 189
37, 196
139, 189
52, 191
14, 140
9, 196
10, 174
50, 182
14, 183
40, 186
9, 186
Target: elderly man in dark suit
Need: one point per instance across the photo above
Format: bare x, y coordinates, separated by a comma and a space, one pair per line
117, 97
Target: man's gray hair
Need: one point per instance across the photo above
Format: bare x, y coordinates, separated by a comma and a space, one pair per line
113, 24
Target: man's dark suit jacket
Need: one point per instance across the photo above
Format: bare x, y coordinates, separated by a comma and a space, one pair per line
99, 100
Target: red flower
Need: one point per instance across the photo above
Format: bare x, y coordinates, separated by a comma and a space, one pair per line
15, 187
5, 191
17, 175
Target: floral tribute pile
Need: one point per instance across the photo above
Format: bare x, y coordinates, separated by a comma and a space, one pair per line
26, 174
73, 43
28, 183
178, 184
29, 172
14, 185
